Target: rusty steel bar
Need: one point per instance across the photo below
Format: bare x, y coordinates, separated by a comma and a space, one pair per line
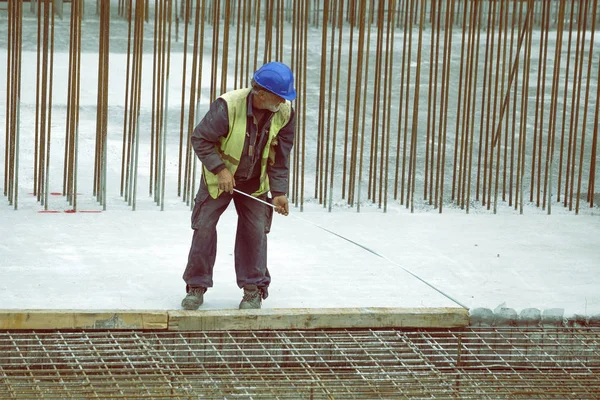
593, 161
302, 72
496, 140
461, 150
553, 111
376, 107
506, 125
180, 172
571, 149
156, 92
44, 107
565, 103
508, 163
586, 104
164, 127
472, 122
339, 18
319, 165
159, 89
36, 167
514, 103
403, 103
295, 161
468, 130
537, 133
356, 112
415, 119
225, 50
197, 103
49, 125
360, 115
124, 154
345, 165
459, 104
140, 15
581, 52
388, 99
445, 94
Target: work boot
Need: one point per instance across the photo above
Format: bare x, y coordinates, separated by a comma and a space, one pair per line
194, 298
252, 298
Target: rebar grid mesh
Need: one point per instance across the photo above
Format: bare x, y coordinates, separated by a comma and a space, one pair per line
468, 363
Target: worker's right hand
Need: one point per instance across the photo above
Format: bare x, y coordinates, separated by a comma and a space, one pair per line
226, 180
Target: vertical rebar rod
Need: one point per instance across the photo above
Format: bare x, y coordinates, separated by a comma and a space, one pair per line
574, 117
514, 103
400, 136
166, 108
581, 52
49, 133
469, 172
593, 161
345, 165
38, 96
553, 110
388, 98
565, 103
415, 118
330, 105
444, 111
181, 171
462, 120
408, 26
468, 129
459, 103
319, 165
360, 115
225, 50
303, 74
498, 90
586, 103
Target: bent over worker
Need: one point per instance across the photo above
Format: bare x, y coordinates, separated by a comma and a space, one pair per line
243, 142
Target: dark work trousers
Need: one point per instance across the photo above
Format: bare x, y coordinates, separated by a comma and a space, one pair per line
254, 222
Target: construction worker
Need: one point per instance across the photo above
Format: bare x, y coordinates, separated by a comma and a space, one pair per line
243, 142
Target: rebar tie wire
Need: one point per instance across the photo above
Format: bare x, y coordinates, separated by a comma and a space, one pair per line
362, 247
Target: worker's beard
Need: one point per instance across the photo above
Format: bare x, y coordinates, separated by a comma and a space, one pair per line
274, 109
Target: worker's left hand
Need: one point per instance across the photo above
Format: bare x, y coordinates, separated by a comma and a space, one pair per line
281, 205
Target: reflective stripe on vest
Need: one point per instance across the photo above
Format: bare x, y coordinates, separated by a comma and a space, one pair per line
230, 147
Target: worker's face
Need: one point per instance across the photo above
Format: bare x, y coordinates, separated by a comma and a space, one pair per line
269, 101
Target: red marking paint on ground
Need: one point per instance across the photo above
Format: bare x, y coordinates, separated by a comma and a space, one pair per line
53, 194
69, 211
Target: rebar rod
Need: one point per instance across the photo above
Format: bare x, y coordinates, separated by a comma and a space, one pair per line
328, 150
553, 111
360, 115
586, 104
488, 105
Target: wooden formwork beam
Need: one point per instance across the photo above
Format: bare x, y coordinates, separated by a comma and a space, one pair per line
212, 320
322, 318
82, 319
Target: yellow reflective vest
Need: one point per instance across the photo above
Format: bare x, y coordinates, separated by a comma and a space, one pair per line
230, 147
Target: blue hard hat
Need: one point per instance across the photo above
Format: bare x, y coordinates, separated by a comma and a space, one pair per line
276, 78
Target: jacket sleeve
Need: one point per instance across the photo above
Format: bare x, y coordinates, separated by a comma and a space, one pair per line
279, 171
207, 133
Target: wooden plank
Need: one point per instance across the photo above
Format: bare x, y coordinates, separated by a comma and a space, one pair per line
303, 318
83, 319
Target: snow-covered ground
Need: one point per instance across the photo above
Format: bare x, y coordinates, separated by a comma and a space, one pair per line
124, 259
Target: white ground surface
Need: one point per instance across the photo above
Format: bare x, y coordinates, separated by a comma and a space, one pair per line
120, 259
